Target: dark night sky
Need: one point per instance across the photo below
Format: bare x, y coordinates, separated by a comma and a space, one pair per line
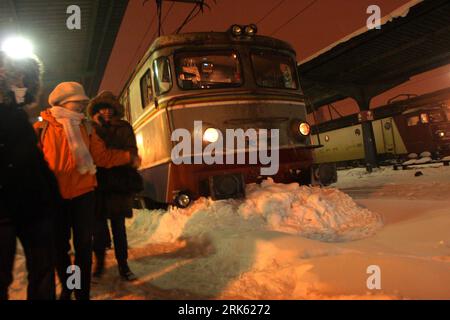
323, 23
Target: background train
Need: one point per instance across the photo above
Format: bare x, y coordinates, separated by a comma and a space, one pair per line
406, 125
228, 80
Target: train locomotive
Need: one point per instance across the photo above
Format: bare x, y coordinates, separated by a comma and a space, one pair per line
206, 83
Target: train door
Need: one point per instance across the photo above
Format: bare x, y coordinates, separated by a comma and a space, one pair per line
417, 132
388, 135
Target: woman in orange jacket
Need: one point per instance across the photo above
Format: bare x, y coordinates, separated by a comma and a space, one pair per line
73, 149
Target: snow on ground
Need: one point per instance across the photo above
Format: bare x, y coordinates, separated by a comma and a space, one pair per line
291, 242
384, 182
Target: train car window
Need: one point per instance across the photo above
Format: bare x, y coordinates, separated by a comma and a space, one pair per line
424, 118
208, 70
413, 121
274, 70
436, 116
447, 113
162, 77
146, 89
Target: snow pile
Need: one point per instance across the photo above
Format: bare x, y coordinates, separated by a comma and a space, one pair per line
316, 213
418, 161
323, 214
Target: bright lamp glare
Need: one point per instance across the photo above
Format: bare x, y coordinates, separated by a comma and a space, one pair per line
304, 129
211, 135
17, 47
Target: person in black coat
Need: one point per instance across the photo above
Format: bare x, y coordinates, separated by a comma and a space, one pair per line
116, 186
29, 193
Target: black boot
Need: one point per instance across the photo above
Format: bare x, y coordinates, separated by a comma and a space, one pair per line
125, 272
99, 268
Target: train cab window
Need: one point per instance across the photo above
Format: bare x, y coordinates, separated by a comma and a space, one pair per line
208, 70
126, 103
274, 70
436, 116
162, 77
413, 121
447, 112
146, 89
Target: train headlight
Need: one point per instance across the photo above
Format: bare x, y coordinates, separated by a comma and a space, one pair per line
211, 135
250, 30
236, 30
304, 128
183, 200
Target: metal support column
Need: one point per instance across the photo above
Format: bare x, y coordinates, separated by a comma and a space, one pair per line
370, 149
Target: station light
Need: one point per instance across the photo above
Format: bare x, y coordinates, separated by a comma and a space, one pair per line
211, 135
17, 48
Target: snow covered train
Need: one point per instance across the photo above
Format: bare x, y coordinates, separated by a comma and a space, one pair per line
204, 84
406, 125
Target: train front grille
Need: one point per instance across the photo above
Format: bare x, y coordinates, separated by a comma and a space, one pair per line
227, 186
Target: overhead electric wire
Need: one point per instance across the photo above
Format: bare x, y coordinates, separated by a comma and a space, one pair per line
295, 16
163, 20
189, 18
145, 35
270, 11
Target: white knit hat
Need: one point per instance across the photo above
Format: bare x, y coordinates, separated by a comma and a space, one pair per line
65, 92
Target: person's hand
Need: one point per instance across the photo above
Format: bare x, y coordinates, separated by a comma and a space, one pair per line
135, 161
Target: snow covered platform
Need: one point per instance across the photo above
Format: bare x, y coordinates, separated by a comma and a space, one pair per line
292, 242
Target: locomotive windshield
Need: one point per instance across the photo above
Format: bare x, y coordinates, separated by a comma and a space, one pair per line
274, 70
210, 70
436, 116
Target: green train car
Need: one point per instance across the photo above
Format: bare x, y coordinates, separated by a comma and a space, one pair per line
402, 127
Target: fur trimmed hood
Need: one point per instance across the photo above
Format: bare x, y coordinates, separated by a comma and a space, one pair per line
105, 97
10, 70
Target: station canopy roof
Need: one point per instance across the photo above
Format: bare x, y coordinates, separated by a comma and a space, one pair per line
67, 55
377, 60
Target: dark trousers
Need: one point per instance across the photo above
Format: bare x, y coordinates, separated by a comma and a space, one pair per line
38, 245
77, 215
119, 238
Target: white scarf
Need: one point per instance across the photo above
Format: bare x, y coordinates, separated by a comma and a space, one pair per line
71, 121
